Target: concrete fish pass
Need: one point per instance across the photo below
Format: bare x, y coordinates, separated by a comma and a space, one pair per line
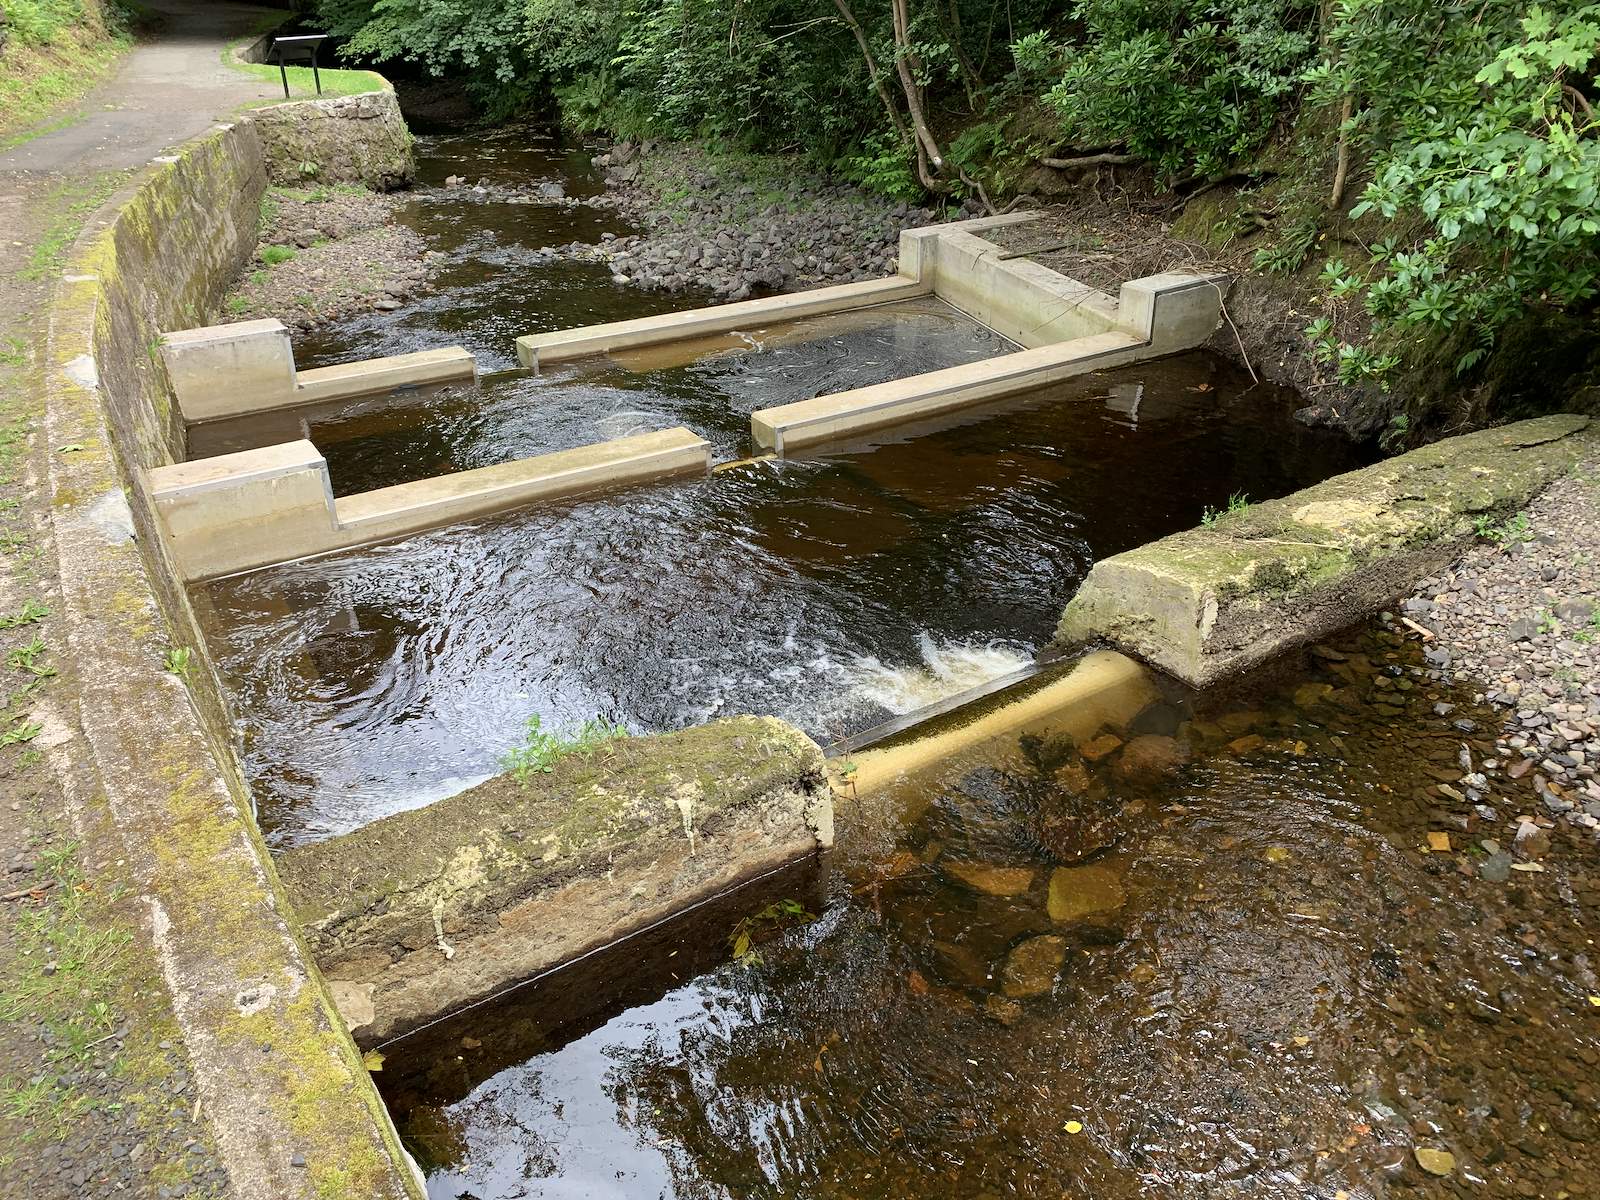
256, 507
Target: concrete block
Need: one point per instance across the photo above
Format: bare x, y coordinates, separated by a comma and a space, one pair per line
1172, 311
370, 376
791, 427
220, 370
915, 243
523, 877
1214, 601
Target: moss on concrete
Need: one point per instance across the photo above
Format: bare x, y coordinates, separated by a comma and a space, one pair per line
1214, 600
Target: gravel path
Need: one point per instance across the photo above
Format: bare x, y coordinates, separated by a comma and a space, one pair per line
1519, 618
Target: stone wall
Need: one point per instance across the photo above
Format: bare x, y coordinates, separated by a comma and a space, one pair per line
421, 913
293, 1110
342, 139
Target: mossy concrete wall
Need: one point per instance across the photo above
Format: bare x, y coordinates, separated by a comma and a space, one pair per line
342, 139
1213, 601
421, 913
294, 1112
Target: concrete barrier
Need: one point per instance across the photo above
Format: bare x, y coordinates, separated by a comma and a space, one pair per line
247, 368
538, 349
1214, 601
237, 512
791, 427
423, 912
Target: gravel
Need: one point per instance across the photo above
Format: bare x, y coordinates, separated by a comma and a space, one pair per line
1518, 617
349, 256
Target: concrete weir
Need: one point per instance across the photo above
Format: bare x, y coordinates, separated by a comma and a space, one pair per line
1214, 601
422, 913
236, 512
247, 369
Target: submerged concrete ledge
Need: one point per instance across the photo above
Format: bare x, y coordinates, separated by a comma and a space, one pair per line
540, 349
247, 368
424, 912
237, 512
1213, 601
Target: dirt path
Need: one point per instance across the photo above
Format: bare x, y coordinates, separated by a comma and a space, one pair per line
96, 1097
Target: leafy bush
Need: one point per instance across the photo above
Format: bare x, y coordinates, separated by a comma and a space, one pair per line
1484, 159
1188, 87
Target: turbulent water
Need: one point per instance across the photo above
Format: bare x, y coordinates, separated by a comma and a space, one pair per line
1233, 969
809, 589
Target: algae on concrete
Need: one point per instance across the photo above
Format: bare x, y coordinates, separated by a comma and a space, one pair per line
1215, 600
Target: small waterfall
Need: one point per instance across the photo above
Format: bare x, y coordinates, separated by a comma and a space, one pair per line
946, 669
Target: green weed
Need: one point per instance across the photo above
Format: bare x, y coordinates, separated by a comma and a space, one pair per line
541, 749
1237, 503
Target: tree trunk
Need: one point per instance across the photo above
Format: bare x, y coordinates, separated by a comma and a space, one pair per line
889, 107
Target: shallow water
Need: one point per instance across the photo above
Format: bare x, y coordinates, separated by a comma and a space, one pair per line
828, 591
1270, 988
373, 443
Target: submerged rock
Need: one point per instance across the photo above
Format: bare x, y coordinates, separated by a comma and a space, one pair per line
1150, 756
1032, 966
1078, 892
988, 878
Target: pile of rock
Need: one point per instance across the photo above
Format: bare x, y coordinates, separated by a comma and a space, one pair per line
1519, 617
727, 228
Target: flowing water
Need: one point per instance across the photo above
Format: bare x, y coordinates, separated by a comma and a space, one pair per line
832, 591
1208, 955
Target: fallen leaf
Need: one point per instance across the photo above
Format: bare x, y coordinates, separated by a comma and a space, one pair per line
1439, 842
1434, 1162
372, 1060
1073, 1127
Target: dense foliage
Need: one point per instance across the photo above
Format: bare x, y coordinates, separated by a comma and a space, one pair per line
1484, 161
1465, 129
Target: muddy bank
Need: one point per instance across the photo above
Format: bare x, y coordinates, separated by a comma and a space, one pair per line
326, 253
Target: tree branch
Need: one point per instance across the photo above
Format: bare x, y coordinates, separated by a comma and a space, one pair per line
1107, 159
889, 107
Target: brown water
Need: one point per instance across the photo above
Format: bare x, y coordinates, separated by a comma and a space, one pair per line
1257, 982
832, 592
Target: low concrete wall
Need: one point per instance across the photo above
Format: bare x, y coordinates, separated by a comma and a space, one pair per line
341, 139
236, 512
536, 349
294, 1113
246, 368
1214, 601
421, 913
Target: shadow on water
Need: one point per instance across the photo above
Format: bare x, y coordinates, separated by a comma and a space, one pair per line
1206, 955
832, 592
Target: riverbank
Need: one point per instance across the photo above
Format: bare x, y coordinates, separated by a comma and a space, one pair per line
1518, 618
328, 252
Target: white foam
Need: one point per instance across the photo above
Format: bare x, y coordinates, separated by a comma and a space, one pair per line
946, 669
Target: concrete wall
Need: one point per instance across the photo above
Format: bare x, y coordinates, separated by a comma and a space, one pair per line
1214, 601
423, 912
341, 139
274, 1070
235, 512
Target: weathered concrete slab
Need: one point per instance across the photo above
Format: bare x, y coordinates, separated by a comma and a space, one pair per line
237, 512
515, 879
1209, 602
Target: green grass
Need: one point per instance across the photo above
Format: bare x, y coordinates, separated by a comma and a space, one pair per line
273, 255
1237, 503
302, 85
70, 203
541, 749
58, 50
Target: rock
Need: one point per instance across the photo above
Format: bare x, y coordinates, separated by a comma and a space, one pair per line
1100, 747
1079, 892
1032, 966
1309, 695
988, 879
1149, 756
1249, 744
960, 965
1002, 1009
1074, 778
1434, 1162
552, 191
